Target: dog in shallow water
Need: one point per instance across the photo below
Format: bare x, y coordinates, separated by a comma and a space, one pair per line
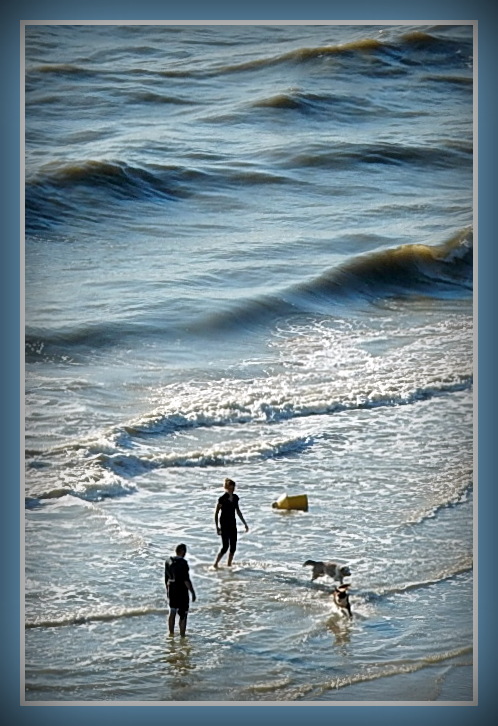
332, 569
341, 599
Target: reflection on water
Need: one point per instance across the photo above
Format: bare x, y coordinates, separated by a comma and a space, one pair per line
178, 657
232, 592
341, 629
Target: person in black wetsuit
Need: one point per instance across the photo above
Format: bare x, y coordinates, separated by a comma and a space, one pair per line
178, 586
226, 525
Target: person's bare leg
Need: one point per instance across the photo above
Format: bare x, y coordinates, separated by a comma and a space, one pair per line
218, 558
171, 623
230, 558
183, 626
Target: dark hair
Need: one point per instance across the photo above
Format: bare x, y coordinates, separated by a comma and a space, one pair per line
181, 548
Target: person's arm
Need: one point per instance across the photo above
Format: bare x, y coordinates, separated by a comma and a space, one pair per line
166, 578
190, 588
187, 580
241, 518
216, 515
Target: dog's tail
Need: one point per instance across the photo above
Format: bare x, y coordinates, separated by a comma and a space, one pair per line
311, 563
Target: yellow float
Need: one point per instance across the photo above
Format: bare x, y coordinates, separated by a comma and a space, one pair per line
296, 501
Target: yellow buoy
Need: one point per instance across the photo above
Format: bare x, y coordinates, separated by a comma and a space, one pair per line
297, 501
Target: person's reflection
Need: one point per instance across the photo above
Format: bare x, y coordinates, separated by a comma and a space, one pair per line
233, 593
178, 656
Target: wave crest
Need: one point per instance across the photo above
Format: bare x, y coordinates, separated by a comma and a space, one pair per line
84, 617
408, 269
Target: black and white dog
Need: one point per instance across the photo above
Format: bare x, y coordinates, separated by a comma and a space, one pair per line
332, 569
341, 599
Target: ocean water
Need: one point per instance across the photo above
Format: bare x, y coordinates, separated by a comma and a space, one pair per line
249, 253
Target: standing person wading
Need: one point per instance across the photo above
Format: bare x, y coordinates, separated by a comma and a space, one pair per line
226, 525
178, 586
